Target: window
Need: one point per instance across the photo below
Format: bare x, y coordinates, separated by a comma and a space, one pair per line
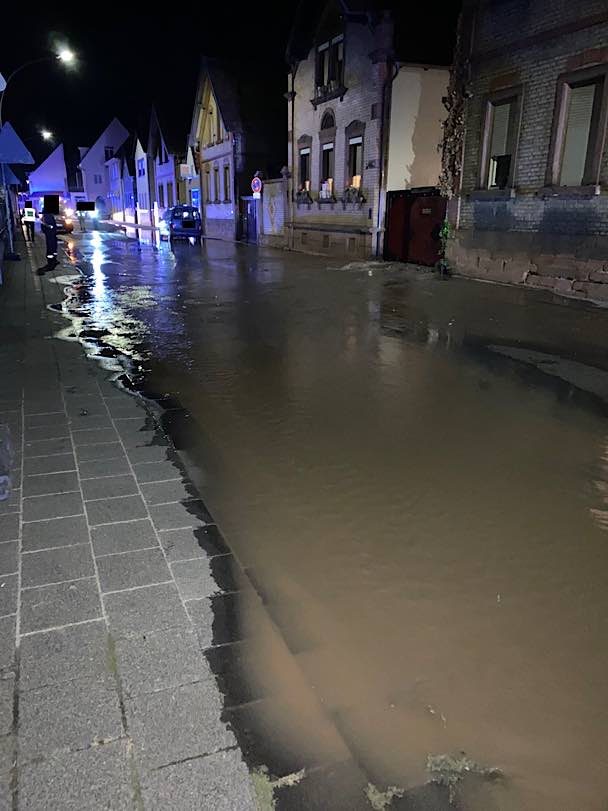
216, 183
330, 64
579, 128
355, 161
97, 179
323, 65
161, 195
499, 143
207, 186
227, 194
109, 153
576, 134
169, 194
500, 157
327, 138
327, 171
141, 170
162, 155
305, 169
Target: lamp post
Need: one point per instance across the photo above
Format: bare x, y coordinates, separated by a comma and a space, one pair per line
65, 56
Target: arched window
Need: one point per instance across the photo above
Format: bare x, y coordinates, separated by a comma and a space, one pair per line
327, 138
328, 121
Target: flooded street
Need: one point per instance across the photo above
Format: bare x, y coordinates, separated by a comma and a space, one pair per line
414, 474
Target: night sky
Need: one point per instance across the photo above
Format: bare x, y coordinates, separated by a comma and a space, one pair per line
127, 60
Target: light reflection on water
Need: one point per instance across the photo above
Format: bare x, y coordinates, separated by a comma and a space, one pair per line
425, 517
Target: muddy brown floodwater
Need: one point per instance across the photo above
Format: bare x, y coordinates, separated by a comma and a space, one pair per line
416, 491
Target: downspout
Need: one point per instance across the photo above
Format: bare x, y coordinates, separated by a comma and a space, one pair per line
392, 71
292, 95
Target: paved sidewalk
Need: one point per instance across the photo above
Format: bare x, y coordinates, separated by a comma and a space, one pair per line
107, 563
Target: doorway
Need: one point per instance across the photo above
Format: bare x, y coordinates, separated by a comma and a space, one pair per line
249, 209
413, 222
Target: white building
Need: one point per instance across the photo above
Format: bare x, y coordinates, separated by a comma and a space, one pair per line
166, 153
93, 164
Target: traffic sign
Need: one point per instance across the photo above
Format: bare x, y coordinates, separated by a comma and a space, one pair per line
256, 185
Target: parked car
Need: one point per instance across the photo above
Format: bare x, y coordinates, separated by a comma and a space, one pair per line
65, 223
181, 221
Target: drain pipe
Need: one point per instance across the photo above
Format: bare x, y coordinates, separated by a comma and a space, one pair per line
392, 71
292, 100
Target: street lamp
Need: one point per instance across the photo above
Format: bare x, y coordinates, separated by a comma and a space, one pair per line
46, 135
66, 56
63, 55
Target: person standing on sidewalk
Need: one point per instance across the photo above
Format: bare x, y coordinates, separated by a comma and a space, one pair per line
29, 220
49, 228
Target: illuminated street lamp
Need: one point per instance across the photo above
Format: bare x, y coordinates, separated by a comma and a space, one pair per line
64, 55
46, 135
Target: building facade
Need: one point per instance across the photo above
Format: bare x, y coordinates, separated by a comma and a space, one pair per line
236, 132
93, 164
362, 121
166, 151
531, 199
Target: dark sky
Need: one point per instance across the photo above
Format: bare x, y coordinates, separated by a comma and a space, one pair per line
128, 59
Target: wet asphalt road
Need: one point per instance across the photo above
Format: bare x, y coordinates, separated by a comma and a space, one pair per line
413, 473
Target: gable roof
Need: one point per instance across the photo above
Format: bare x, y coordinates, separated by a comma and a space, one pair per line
170, 131
429, 41
97, 140
236, 89
126, 154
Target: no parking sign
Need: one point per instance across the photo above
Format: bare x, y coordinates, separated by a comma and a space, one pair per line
256, 187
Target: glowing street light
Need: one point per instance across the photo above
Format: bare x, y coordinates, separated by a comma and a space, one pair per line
66, 56
46, 135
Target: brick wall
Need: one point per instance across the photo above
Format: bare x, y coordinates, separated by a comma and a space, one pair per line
530, 43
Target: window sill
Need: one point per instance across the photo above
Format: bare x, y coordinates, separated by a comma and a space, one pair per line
569, 192
492, 195
336, 93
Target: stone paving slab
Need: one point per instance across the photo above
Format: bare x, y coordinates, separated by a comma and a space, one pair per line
74, 715
58, 605
123, 537
49, 483
177, 723
74, 652
56, 565
57, 463
8, 557
149, 608
160, 659
130, 569
60, 532
7, 643
119, 508
219, 781
87, 780
93, 610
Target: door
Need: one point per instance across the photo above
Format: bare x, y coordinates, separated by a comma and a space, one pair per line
426, 217
413, 225
250, 219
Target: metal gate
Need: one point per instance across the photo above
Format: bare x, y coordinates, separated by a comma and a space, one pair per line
413, 222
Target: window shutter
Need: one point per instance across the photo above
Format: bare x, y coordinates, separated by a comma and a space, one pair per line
576, 137
500, 129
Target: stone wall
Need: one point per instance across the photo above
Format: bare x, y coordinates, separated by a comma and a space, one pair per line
546, 233
273, 212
